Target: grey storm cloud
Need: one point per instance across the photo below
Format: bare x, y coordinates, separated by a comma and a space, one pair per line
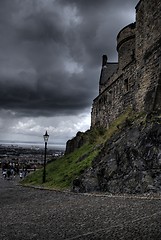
51, 52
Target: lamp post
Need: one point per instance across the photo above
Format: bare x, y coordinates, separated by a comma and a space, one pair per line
46, 137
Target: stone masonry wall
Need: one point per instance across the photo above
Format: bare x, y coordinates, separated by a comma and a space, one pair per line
148, 54
106, 72
139, 39
126, 45
137, 81
113, 101
148, 79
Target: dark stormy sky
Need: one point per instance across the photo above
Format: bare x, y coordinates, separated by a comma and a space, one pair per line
50, 59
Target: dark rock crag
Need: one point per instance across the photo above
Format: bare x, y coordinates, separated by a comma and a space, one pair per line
75, 142
130, 162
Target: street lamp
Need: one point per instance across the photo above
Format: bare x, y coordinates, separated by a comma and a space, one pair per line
46, 137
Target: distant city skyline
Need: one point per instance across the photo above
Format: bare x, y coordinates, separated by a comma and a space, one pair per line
50, 64
33, 144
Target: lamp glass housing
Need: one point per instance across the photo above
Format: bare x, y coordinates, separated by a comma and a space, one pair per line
46, 137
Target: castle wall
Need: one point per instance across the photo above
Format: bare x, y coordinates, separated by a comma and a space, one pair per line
113, 101
139, 49
149, 80
148, 54
152, 22
106, 73
126, 45
137, 81
148, 26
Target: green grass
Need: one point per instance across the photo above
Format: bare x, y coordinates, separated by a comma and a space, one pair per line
61, 172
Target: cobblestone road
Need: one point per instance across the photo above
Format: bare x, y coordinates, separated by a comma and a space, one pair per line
27, 213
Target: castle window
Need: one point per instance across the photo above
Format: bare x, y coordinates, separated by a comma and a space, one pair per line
126, 85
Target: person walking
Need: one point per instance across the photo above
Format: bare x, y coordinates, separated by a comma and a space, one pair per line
21, 175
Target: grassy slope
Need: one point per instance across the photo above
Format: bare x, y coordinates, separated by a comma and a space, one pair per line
61, 172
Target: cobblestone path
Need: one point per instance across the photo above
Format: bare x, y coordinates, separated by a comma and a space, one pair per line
28, 213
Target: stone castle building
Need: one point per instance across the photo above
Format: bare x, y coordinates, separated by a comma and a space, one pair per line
135, 81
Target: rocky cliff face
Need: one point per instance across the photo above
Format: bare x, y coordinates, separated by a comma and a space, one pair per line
130, 162
75, 142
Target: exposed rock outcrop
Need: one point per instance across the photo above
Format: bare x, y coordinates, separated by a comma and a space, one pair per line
129, 162
75, 142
